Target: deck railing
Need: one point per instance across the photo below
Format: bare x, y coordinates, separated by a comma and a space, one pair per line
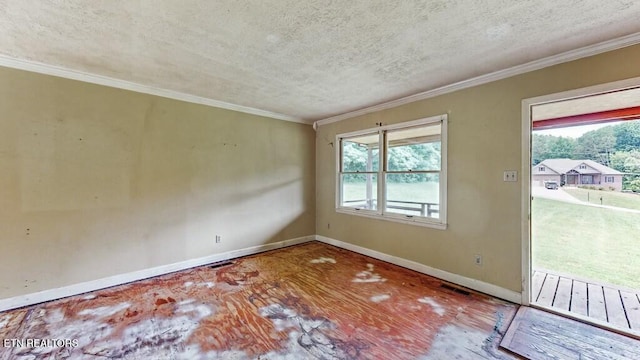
422, 208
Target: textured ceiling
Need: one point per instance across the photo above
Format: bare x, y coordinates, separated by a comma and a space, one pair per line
305, 59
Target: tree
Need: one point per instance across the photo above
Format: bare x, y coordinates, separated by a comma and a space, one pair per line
540, 148
627, 136
551, 147
413, 157
628, 162
354, 157
596, 145
424, 156
562, 148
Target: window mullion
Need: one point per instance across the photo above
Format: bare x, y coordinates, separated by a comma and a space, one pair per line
382, 178
339, 161
444, 173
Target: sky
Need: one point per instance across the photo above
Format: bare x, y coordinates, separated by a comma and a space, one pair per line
574, 131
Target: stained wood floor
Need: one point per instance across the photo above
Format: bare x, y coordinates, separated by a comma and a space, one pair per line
311, 301
539, 335
619, 308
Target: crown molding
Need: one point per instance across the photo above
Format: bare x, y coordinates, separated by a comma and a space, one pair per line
571, 55
37, 67
576, 54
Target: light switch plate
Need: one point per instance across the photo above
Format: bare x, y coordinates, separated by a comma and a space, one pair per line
510, 175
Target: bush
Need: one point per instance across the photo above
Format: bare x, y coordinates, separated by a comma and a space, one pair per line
600, 188
611, 188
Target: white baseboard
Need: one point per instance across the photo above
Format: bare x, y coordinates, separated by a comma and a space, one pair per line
470, 283
80, 288
75, 289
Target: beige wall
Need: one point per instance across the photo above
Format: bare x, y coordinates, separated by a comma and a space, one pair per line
484, 140
96, 181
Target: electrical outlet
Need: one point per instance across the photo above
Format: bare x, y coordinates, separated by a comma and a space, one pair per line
218, 239
478, 260
510, 175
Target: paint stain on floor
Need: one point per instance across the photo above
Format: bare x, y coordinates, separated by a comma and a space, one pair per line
301, 302
437, 308
368, 276
323, 260
380, 298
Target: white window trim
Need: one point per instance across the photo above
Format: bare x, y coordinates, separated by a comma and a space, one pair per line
379, 213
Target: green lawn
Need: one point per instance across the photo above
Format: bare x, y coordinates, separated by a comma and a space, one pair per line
589, 242
419, 192
611, 198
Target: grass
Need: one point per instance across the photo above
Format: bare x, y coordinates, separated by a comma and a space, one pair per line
419, 192
589, 242
611, 198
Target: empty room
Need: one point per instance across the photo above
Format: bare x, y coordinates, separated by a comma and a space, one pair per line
318, 180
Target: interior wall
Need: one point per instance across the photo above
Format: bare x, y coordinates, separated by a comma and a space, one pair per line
485, 138
97, 181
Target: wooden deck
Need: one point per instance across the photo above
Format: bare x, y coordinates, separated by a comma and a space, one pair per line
604, 305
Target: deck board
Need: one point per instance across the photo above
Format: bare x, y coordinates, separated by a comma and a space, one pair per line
562, 299
536, 284
615, 309
597, 307
548, 291
605, 304
579, 298
632, 308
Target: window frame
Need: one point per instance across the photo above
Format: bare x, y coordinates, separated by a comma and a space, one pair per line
339, 172
382, 172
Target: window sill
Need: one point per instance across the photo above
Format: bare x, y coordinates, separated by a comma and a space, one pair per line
372, 215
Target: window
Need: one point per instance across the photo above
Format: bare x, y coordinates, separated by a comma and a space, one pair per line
396, 172
541, 168
608, 179
583, 166
359, 178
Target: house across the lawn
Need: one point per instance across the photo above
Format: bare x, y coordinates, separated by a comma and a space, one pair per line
577, 172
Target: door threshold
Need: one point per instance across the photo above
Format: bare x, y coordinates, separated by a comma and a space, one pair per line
587, 320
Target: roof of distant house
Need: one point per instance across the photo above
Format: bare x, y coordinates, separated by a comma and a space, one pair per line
563, 166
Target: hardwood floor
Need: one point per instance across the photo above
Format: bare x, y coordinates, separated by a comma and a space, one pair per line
311, 301
539, 335
603, 304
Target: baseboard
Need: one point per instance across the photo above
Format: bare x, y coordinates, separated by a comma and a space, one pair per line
80, 288
470, 283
